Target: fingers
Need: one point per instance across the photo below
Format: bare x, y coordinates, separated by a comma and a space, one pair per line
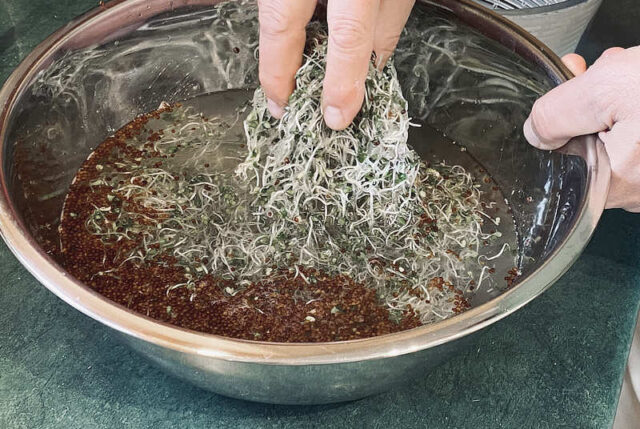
569, 110
575, 63
584, 105
392, 17
282, 39
351, 33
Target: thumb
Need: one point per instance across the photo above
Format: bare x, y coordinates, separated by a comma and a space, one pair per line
569, 110
575, 63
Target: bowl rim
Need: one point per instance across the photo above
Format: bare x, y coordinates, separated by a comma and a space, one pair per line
160, 334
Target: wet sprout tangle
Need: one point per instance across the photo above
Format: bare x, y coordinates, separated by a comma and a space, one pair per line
358, 202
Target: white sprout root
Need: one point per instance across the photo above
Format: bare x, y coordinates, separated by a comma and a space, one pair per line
358, 202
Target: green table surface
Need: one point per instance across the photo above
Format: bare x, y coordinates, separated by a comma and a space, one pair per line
556, 363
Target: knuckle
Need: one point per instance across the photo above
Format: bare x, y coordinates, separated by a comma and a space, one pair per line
604, 99
605, 108
274, 19
348, 34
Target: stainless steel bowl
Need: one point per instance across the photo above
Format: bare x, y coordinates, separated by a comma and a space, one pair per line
467, 71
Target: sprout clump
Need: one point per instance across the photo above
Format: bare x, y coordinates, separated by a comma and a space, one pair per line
358, 202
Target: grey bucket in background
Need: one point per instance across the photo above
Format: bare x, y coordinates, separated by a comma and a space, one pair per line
560, 26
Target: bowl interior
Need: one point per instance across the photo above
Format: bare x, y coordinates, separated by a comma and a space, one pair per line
470, 87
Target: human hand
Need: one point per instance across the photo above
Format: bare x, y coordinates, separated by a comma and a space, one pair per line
356, 29
604, 99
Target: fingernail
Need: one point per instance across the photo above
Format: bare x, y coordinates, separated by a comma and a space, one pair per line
334, 118
531, 135
275, 109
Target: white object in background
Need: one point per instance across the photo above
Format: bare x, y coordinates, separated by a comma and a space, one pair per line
557, 23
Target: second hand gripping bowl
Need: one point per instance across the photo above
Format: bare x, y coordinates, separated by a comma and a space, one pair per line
465, 72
